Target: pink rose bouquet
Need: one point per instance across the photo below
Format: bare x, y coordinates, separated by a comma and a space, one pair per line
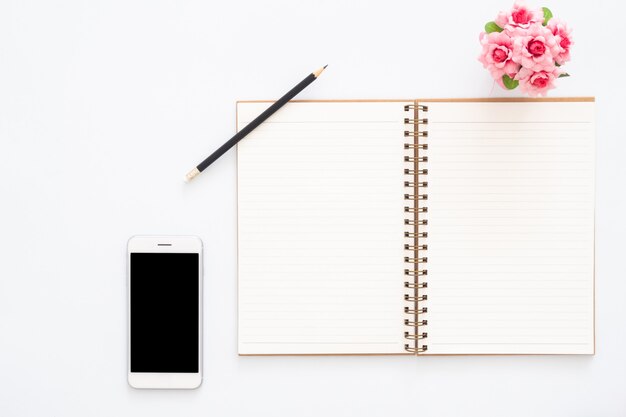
526, 47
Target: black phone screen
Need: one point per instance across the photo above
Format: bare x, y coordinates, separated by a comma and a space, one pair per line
164, 312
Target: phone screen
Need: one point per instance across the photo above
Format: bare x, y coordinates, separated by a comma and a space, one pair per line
164, 312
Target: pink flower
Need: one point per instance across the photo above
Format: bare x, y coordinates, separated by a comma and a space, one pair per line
519, 47
536, 49
536, 83
563, 37
497, 55
521, 17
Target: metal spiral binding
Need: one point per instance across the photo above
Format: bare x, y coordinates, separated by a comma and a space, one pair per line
414, 231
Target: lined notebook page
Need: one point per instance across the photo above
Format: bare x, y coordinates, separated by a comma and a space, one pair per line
511, 227
320, 189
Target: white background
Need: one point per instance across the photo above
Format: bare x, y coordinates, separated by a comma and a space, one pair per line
105, 105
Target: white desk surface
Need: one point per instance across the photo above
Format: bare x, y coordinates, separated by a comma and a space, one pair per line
105, 105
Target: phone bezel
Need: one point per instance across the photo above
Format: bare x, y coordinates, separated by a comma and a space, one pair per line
165, 244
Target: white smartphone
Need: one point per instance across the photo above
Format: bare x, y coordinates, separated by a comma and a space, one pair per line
165, 312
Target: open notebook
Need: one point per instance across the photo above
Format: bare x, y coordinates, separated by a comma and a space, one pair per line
427, 226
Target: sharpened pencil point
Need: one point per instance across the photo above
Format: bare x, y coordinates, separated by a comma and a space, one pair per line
319, 71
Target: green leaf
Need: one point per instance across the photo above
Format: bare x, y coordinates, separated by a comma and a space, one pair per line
509, 82
547, 15
557, 64
492, 27
564, 75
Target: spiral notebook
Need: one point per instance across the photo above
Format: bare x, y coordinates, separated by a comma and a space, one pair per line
417, 227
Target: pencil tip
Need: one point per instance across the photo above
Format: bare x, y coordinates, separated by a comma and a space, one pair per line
319, 71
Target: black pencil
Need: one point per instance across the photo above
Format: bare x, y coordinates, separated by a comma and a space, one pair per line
253, 124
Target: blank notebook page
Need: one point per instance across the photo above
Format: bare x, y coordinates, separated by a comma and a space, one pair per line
320, 188
511, 227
